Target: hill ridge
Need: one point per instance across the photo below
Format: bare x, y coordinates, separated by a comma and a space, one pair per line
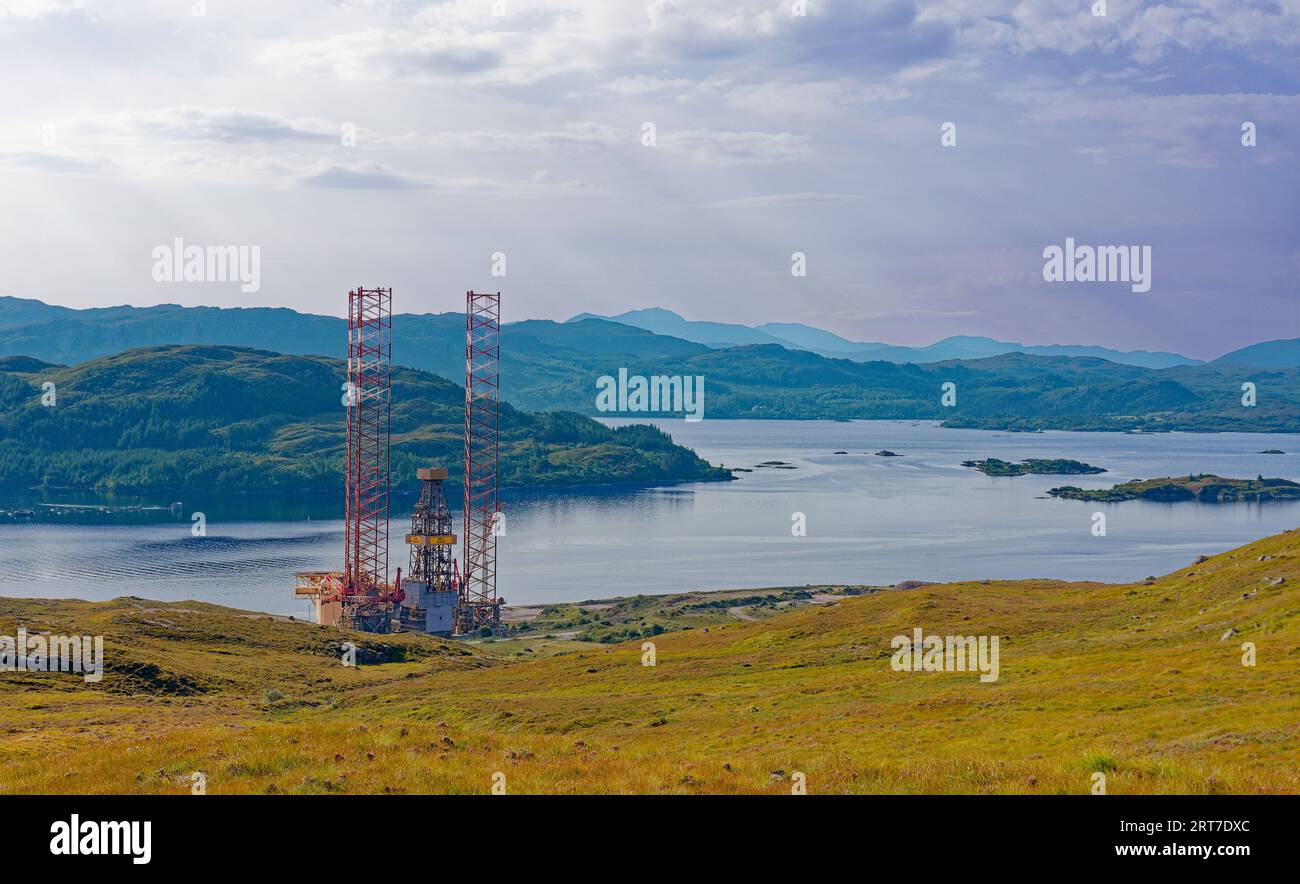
208, 417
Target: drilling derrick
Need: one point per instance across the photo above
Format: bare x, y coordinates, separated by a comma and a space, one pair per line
478, 605
430, 590
366, 596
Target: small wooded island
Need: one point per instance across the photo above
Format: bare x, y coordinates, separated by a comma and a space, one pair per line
1204, 487
1037, 466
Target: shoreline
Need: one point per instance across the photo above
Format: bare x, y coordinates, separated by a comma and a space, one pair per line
947, 424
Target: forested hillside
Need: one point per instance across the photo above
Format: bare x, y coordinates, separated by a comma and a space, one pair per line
240, 420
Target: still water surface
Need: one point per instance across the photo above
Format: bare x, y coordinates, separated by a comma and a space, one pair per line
870, 520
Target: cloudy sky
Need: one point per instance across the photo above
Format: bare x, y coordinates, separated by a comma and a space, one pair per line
518, 127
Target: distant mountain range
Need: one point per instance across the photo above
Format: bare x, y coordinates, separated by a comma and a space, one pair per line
797, 336
64, 335
555, 365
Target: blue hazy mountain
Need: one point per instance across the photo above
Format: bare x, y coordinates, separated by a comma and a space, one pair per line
712, 334
968, 347
1269, 354
806, 337
431, 340
797, 336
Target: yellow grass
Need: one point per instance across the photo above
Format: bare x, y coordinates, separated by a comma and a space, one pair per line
1134, 681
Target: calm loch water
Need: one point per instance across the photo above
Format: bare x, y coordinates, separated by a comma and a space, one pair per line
869, 520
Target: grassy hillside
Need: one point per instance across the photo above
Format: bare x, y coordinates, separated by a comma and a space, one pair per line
231, 419
1143, 682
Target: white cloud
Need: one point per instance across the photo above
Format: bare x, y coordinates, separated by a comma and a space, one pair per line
643, 85
783, 200
377, 54
1140, 31
714, 148
370, 175
1190, 131
227, 125
534, 42
817, 97
571, 135
57, 162
364, 175
34, 9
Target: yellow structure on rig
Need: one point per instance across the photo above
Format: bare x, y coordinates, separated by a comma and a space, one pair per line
432, 585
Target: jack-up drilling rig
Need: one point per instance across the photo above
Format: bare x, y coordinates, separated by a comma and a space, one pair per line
438, 596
